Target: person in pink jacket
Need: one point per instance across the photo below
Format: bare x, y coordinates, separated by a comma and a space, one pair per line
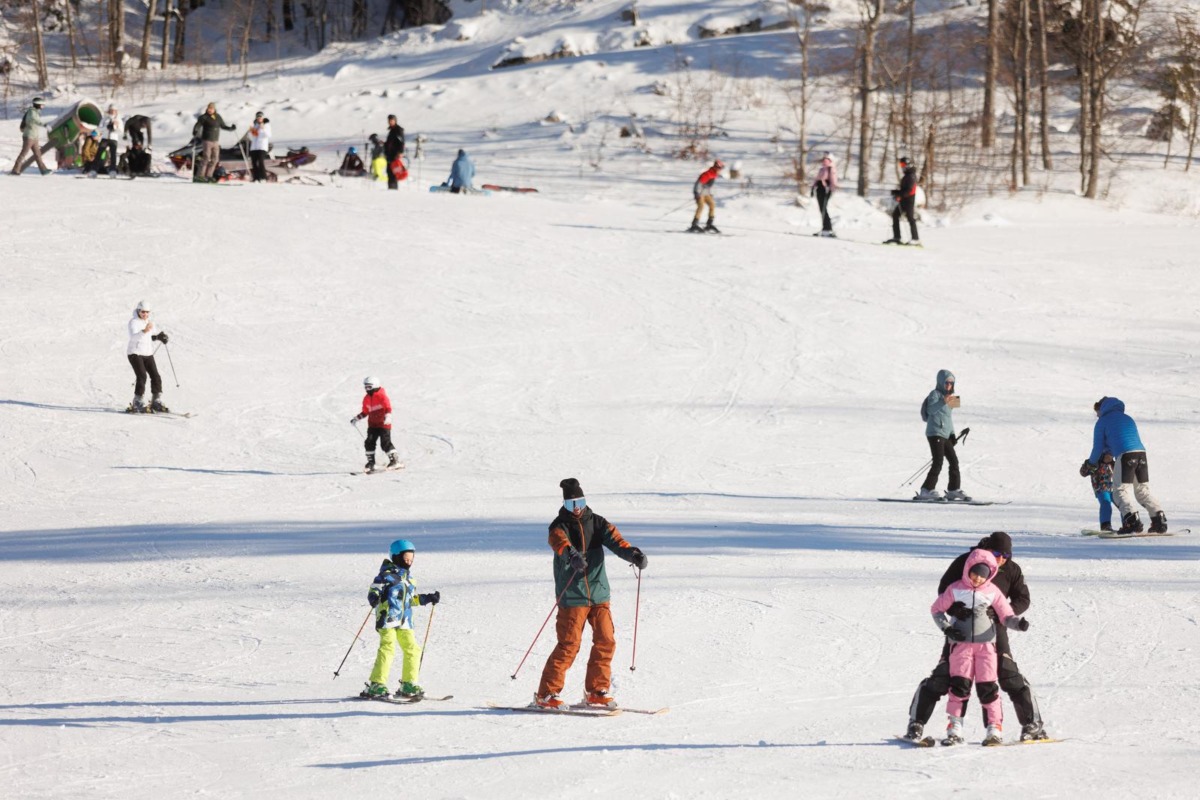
823, 186
377, 410
961, 613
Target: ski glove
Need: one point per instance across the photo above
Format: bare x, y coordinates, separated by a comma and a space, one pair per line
959, 610
1017, 623
954, 634
355, 418
431, 599
162, 337
373, 597
1086, 469
578, 562
638, 559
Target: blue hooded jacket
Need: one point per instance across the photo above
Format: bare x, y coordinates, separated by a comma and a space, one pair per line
934, 410
463, 172
1115, 432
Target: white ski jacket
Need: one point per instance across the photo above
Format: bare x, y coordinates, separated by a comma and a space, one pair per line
139, 339
260, 136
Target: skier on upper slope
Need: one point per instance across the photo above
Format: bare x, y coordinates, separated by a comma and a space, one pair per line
823, 187
1010, 580
377, 411
963, 612
702, 192
905, 199
939, 431
1116, 432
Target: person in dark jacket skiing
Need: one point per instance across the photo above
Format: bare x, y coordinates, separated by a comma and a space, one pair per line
393, 148
578, 538
208, 130
905, 203
702, 192
939, 432
1117, 433
1010, 580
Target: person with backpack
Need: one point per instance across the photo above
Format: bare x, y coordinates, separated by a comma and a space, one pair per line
208, 130
823, 186
393, 149
1116, 432
32, 128
904, 203
702, 192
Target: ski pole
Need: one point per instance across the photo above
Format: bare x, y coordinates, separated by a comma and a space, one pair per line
360, 630
172, 363
636, 609
679, 207
355, 424
425, 641
960, 439
539, 633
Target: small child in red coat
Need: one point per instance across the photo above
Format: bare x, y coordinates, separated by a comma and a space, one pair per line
377, 410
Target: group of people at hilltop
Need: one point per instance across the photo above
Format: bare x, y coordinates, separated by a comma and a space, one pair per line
97, 148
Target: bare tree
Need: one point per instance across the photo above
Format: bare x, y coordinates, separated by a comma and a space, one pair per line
116, 33
144, 61
39, 46
987, 127
802, 13
1044, 87
870, 12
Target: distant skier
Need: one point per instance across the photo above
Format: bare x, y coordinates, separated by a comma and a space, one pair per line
1102, 484
379, 165
352, 165
823, 187
393, 595
208, 130
577, 537
377, 410
260, 144
137, 129
702, 192
462, 174
963, 612
142, 335
32, 129
112, 131
393, 149
1010, 580
1116, 432
905, 204
939, 431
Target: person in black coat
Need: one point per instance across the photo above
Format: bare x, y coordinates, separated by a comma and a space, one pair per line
1011, 581
905, 204
393, 148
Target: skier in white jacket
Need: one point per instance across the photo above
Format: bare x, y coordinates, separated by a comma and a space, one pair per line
260, 143
142, 335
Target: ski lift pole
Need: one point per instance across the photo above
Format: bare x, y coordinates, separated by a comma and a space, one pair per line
360, 630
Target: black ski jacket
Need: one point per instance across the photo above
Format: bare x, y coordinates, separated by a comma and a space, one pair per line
395, 143
208, 127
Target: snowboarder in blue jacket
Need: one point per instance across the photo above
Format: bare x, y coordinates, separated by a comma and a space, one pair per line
1117, 433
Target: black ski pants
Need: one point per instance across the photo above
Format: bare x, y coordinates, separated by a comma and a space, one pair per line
906, 207
258, 165
383, 435
143, 366
942, 450
937, 685
823, 196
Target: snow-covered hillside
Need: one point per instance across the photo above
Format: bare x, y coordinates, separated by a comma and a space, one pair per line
179, 592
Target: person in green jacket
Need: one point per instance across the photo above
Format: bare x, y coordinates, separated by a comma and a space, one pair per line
31, 132
208, 130
939, 431
578, 538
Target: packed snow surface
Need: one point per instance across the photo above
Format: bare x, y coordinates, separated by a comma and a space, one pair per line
179, 592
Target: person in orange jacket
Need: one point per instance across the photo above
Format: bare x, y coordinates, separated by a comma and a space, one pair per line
578, 538
377, 411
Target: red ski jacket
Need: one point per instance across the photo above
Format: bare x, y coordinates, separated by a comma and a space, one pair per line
377, 408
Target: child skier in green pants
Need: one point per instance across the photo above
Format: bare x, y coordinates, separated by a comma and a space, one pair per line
393, 595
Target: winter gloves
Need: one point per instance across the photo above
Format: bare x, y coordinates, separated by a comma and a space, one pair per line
959, 610
578, 562
431, 599
1086, 469
954, 634
1017, 623
638, 559
162, 337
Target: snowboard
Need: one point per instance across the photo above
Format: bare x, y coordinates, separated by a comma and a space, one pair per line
446, 189
1143, 535
569, 711
945, 502
521, 189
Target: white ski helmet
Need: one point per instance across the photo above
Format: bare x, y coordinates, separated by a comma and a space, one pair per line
142, 306
370, 382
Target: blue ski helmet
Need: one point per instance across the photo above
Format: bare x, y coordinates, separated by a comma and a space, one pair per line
353, 151
401, 546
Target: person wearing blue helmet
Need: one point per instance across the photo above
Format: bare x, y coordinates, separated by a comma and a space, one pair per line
352, 165
1116, 432
393, 594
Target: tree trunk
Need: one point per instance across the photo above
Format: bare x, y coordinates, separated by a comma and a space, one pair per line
116, 27
289, 15
1026, 47
987, 126
1044, 88
144, 61
39, 46
71, 34
166, 34
872, 9
181, 33
906, 111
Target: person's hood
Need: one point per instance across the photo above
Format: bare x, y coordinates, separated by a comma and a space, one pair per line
462, 153
980, 557
1111, 405
943, 376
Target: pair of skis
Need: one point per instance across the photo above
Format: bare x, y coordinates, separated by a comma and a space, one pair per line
579, 710
1143, 535
929, 741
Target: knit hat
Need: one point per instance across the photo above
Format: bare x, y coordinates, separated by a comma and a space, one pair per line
830, 157
982, 570
998, 541
571, 488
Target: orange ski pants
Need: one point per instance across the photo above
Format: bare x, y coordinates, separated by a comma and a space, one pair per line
569, 627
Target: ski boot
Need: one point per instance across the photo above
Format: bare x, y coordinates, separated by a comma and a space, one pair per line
1130, 523
374, 690
695, 227
828, 234
156, 405
928, 494
1106, 526
550, 702
995, 736
916, 732
370, 467
710, 228
892, 241
1158, 523
957, 494
599, 699
410, 691
915, 243
138, 406
393, 461
954, 731
1033, 732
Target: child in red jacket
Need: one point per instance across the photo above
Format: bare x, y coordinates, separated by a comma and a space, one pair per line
377, 410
